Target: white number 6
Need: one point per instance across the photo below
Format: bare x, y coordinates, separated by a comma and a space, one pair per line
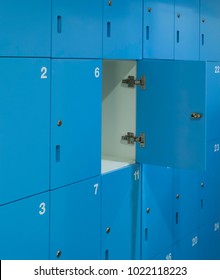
97, 72
42, 207
44, 73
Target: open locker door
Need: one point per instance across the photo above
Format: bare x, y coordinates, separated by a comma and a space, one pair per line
171, 113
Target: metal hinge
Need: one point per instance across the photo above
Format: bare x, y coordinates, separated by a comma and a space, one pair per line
131, 82
130, 138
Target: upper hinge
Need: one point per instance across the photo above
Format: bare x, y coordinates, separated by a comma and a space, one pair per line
130, 138
131, 82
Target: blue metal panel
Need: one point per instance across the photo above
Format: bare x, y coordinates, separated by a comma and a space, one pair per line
25, 28
76, 103
25, 127
76, 221
157, 210
209, 241
210, 182
209, 33
187, 29
24, 231
165, 255
77, 29
186, 205
158, 33
187, 248
213, 100
164, 113
121, 207
122, 29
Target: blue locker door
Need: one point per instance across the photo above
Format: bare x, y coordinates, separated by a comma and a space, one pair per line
187, 29
24, 231
157, 209
187, 248
25, 28
164, 113
25, 127
213, 100
158, 33
209, 33
76, 121
122, 29
121, 218
77, 29
75, 223
210, 181
209, 241
186, 202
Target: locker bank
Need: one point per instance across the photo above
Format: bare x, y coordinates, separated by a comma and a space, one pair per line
110, 135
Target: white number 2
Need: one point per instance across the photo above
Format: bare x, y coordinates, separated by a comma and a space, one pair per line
97, 72
44, 73
96, 187
42, 207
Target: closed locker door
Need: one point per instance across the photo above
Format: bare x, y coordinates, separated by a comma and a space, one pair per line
121, 217
75, 223
25, 229
75, 121
209, 241
77, 29
186, 202
158, 29
25, 127
209, 36
187, 29
122, 29
213, 100
187, 248
157, 209
25, 28
170, 113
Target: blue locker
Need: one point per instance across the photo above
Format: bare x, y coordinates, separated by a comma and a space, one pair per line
187, 29
165, 255
77, 29
157, 210
186, 203
122, 29
187, 248
25, 28
75, 221
210, 181
24, 231
121, 219
158, 29
209, 241
76, 121
166, 113
212, 100
209, 35
25, 127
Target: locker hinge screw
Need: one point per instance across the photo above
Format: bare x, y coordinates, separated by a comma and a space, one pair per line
178, 15
108, 230
149, 10
177, 196
110, 3
148, 210
202, 184
58, 254
203, 20
59, 123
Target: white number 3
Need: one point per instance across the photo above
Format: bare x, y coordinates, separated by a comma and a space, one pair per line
42, 207
44, 73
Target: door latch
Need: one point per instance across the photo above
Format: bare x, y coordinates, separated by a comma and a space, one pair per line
131, 82
196, 116
130, 139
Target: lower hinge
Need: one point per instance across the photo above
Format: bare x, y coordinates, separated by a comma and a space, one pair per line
130, 139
